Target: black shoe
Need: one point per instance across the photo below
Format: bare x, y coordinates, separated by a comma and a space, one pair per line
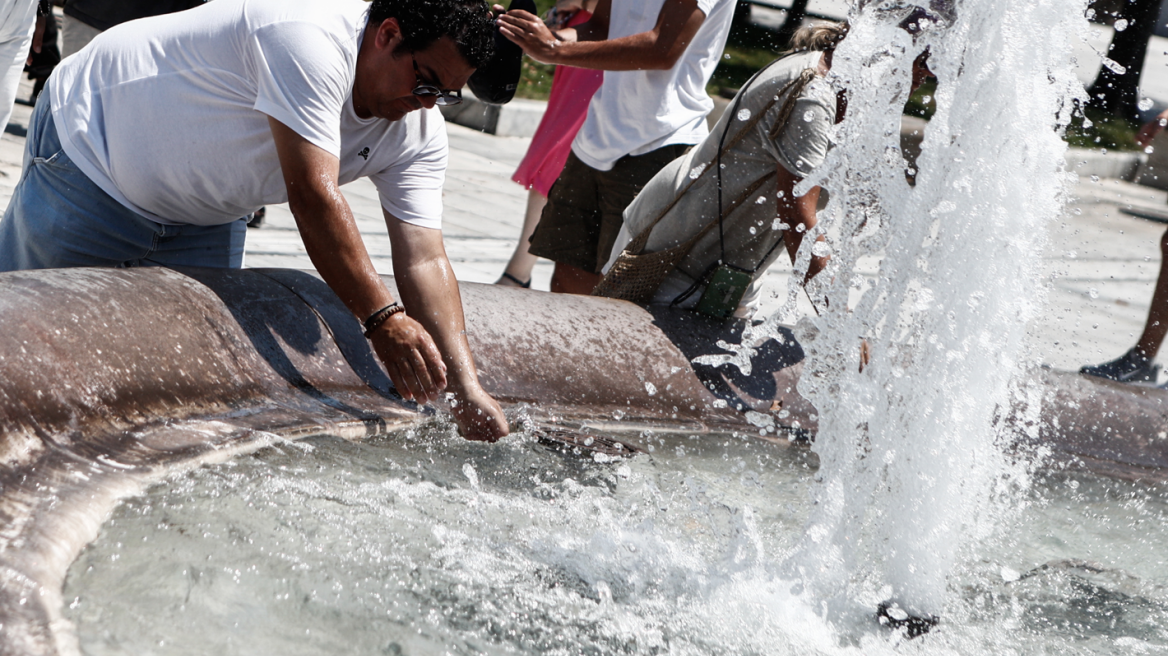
1131, 367
893, 616
256, 220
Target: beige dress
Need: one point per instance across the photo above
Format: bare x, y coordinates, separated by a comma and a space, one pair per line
751, 229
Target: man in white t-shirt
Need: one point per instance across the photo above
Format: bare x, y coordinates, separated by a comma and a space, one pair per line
148, 146
657, 56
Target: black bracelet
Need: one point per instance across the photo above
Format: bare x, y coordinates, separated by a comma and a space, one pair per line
381, 316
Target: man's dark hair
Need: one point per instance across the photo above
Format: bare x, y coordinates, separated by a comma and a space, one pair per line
469, 23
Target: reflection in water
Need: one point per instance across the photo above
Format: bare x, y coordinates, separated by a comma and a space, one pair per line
422, 543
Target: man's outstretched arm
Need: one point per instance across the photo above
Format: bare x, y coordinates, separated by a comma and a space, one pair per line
334, 245
656, 49
430, 291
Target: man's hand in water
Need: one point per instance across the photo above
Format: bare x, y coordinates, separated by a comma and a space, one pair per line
415, 366
479, 416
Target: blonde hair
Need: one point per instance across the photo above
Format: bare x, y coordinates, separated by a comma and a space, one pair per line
819, 37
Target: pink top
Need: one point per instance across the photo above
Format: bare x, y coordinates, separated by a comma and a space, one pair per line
572, 89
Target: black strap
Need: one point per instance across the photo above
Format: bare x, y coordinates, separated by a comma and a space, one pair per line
718, 164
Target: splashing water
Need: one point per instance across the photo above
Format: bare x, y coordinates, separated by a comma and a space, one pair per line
911, 444
424, 543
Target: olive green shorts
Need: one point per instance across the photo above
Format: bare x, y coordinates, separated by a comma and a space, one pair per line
584, 211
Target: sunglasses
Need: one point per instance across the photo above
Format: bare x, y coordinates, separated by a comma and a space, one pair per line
425, 89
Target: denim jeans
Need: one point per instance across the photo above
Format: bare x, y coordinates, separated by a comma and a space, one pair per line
59, 218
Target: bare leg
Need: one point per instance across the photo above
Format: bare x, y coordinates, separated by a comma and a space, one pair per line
522, 262
567, 279
1156, 326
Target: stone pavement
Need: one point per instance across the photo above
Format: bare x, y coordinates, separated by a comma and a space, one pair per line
1099, 268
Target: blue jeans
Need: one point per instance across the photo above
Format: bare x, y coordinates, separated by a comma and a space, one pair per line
59, 218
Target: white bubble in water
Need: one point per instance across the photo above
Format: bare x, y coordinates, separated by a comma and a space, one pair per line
778, 224
821, 249
1144, 104
753, 231
743, 115
800, 228
696, 171
1121, 25
1093, 293
808, 116
760, 201
650, 388
471, 475
1114, 66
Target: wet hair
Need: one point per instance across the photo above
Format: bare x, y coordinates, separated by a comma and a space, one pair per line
819, 37
469, 23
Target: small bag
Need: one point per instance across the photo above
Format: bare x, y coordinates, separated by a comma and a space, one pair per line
724, 292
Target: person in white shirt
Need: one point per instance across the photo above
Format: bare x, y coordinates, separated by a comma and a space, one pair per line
20, 20
657, 56
148, 146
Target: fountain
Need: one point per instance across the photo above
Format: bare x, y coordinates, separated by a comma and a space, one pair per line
247, 480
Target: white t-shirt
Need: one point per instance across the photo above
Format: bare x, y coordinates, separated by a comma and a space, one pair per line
635, 112
169, 115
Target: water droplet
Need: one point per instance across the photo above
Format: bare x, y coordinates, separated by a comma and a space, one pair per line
1149, 150
743, 114
696, 171
808, 116
1121, 25
1144, 104
760, 201
650, 388
1093, 293
1010, 575
1114, 66
926, 99
752, 230
800, 228
778, 224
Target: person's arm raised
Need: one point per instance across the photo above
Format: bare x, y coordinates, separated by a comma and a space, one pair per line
655, 49
428, 288
334, 245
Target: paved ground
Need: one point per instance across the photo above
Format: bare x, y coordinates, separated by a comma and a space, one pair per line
1100, 265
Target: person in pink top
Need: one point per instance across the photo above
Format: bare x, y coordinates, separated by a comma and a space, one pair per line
572, 89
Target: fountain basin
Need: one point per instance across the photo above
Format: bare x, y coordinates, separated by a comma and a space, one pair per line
111, 380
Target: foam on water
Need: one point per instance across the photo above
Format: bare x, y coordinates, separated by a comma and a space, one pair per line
423, 544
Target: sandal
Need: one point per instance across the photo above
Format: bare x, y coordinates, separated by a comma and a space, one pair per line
524, 285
